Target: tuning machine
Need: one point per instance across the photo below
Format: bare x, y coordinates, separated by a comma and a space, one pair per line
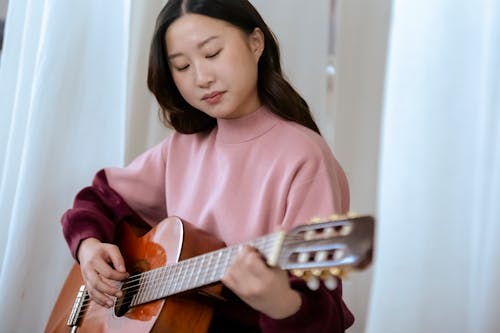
315, 276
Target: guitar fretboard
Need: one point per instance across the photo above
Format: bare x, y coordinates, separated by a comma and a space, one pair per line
189, 274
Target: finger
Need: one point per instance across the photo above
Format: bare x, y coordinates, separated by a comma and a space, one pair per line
98, 290
252, 262
104, 269
101, 299
246, 268
117, 285
116, 259
108, 287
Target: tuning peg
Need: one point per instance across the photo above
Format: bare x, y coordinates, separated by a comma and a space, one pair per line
330, 281
297, 272
315, 220
309, 235
348, 215
312, 282
338, 254
320, 256
303, 257
345, 230
335, 217
328, 232
339, 272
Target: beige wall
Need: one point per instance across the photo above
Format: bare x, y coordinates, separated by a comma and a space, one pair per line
362, 44
350, 121
3, 8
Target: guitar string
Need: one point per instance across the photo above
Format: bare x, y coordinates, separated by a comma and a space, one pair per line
174, 277
172, 267
176, 274
135, 281
186, 263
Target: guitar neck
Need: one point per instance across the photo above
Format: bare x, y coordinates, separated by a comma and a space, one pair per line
189, 274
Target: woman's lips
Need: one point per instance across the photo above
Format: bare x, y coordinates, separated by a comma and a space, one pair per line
214, 97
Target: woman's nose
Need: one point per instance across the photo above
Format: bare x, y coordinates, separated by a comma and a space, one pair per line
203, 76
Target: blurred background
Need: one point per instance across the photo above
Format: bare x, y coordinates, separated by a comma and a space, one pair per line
407, 95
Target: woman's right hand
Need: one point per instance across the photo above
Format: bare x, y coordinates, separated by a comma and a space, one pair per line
102, 268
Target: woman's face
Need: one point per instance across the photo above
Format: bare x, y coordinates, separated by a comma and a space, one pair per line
214, 65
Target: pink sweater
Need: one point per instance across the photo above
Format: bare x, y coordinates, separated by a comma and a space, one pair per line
246, 178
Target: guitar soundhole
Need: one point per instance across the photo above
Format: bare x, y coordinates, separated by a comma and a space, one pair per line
122, 304
130, 287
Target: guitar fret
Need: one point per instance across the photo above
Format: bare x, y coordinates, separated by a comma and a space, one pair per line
140, 293
192, 273
200, 272
152, 286
149, 286
168, 284
210, 277
188, 275
183, 279
176, 278
163, 282
147, 294
157, 283
134, 300
195, 273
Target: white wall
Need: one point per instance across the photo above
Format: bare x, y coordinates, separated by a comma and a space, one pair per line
351, 121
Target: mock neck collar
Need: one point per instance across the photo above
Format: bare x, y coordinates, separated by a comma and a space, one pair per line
246, 128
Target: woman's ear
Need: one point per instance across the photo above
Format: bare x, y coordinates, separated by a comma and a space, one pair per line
256, 42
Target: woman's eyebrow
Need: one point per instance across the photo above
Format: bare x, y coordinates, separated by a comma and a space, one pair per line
202, 43
199, 46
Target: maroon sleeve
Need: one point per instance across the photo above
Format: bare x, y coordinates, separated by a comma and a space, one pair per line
96, 211
321, 311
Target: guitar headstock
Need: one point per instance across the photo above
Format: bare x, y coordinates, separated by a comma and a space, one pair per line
327, 249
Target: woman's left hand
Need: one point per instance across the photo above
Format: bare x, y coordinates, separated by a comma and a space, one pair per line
265, 289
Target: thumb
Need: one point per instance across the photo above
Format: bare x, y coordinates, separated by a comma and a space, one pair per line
117, 260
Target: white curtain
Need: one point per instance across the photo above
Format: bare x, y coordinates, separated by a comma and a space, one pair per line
73, 99
437, 266
65, 111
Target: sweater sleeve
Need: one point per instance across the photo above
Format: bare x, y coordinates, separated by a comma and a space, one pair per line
319, 190
96, 211
135, 193
142, 183
321, 311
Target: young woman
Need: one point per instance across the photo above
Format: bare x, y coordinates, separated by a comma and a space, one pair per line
246, 159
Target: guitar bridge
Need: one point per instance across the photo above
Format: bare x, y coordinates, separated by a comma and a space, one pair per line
77, 308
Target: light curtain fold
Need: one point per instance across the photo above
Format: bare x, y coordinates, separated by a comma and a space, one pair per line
73, 101
63, 83
436, 267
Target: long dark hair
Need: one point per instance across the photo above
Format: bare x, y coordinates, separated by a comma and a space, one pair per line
273, 89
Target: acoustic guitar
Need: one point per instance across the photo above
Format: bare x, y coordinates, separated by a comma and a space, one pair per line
174, 262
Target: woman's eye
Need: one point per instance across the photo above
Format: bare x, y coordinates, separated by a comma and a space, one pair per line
181, 68
213, 55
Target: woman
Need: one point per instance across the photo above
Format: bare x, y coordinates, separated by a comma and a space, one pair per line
246, 159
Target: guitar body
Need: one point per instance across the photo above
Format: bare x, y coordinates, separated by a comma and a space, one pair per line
175, 266
169, 242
